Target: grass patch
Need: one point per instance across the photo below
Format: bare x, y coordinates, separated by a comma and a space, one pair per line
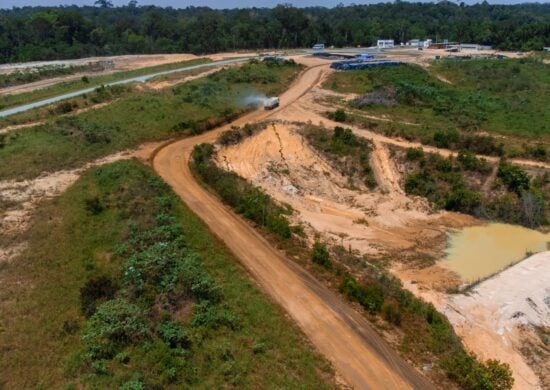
134, 290
189, 108
508, 97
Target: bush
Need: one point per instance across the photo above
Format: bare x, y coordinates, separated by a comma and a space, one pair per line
93, 205
339, 115
371, 297
446, 138
320, 255
202, 153
346, 136
115, 324
392, 313
173, 335
414, 154
515, 178
96, 291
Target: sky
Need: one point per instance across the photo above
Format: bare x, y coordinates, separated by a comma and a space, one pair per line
224, 3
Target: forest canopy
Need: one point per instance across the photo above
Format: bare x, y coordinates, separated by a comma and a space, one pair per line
46, 33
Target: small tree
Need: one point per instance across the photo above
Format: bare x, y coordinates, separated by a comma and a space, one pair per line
500, 374
320, 254
339, 115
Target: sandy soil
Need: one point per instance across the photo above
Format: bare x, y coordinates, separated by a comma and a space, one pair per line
345, 337
279, 160
497, 316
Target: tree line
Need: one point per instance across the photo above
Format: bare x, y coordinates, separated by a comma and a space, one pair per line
45, 33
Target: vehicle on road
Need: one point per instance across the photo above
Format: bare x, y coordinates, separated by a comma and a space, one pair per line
271, 103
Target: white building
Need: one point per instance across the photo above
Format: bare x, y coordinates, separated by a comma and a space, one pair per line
427, 43
385, 43
414, 43
319, 46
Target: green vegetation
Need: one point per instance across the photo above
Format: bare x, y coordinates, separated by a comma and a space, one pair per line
190, 108
7, 101
135, 292
246, 199
425, 335
42, 33
320, 254
456, 185
25, 76
508, 97
350, 154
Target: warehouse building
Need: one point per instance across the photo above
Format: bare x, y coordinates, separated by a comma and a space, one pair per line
385, 43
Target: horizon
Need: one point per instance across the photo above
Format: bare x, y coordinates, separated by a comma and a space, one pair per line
237, 4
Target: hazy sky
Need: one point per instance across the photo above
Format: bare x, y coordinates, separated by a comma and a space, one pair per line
221, 4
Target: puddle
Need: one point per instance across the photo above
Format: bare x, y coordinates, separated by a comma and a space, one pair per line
480, 251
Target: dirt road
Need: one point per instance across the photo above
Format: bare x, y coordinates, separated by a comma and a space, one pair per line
358, 353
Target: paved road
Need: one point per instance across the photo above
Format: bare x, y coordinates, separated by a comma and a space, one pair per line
345, 337
139, 79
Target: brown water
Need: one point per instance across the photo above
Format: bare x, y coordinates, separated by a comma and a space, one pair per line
480, 251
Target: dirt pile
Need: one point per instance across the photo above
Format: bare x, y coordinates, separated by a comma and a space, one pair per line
280, 160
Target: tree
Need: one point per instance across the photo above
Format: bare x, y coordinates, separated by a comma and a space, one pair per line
104, 3
500, 374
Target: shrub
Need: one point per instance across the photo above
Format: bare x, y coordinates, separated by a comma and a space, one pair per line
346, 136
173, 334
515, 178
202, 153
115, 324
320, 254
96, 291
339, 115
392, 313
415, 154
371, 297
93, 205
446, 138
211, 316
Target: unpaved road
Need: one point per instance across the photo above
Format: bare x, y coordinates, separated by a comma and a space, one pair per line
358, 353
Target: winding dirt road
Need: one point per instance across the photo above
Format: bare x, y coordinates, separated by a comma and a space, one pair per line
358, 353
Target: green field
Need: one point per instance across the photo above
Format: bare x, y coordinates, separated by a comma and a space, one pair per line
7, 101
170, 308
189, 108
500, 97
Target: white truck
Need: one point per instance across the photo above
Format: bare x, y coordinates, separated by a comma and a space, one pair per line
271, 103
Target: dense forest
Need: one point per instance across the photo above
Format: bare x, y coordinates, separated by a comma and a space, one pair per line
45, 33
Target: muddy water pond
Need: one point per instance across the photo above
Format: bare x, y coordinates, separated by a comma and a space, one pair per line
479, 251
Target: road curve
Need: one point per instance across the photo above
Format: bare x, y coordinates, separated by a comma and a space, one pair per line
345, 337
